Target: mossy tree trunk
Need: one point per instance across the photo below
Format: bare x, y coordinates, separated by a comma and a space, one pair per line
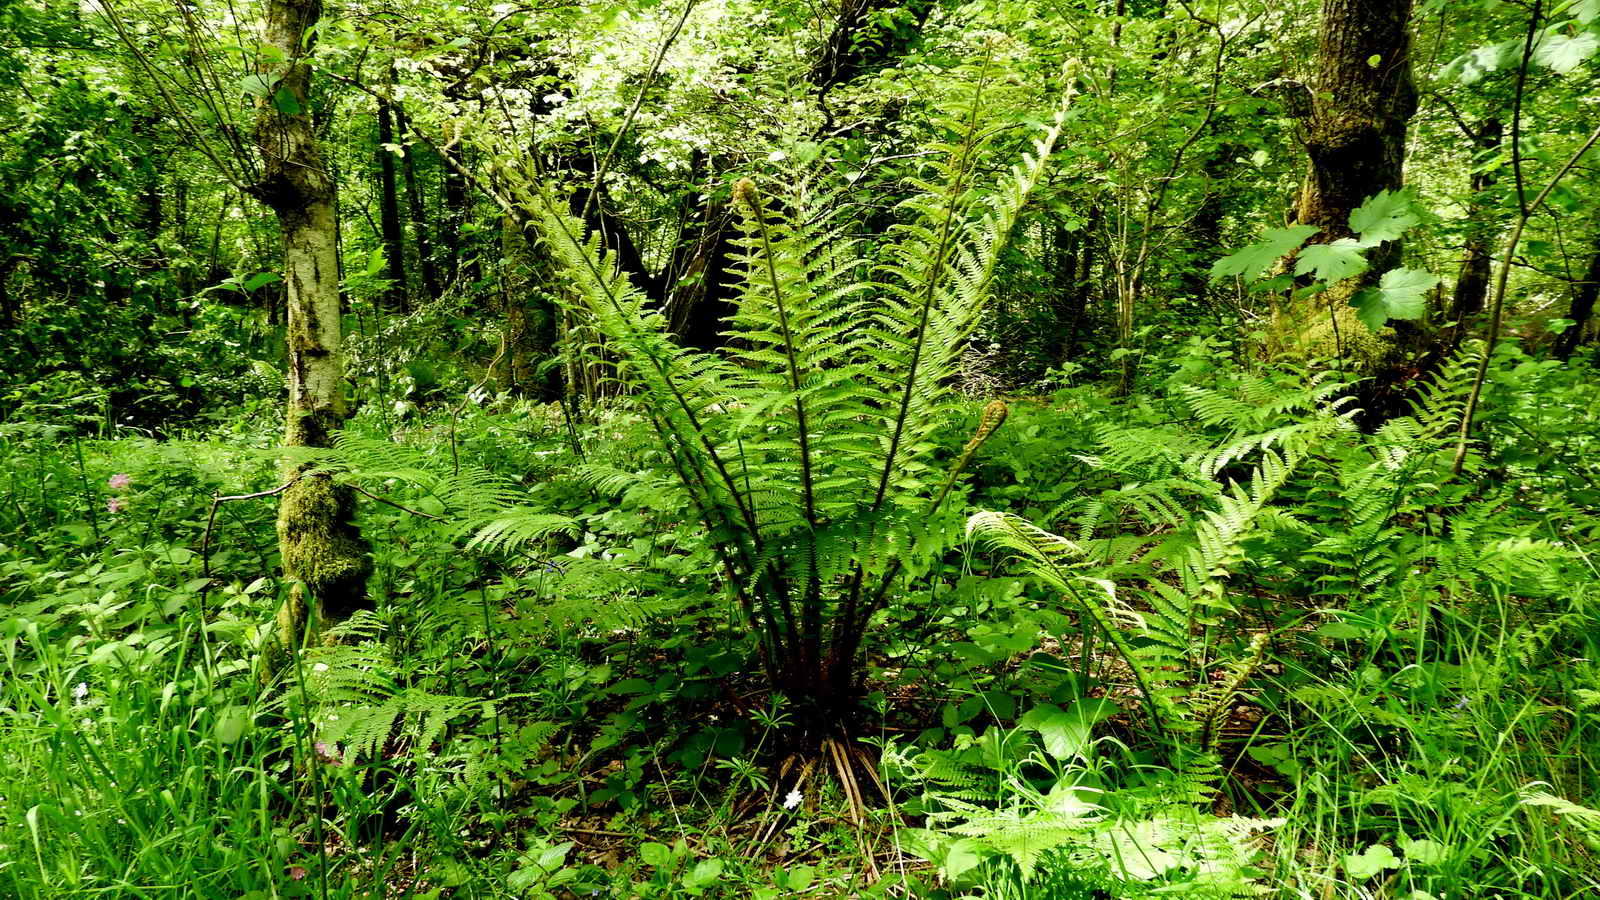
323, 551
1363, 100
528, 340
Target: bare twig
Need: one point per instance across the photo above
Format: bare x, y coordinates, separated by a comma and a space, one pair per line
211, 521
627, 121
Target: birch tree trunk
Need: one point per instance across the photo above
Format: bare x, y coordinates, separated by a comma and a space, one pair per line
322, 550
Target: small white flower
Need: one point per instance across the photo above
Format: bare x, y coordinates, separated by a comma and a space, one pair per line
320, 667
81, 691
793, 800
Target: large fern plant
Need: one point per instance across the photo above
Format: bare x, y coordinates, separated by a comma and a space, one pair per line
807, 447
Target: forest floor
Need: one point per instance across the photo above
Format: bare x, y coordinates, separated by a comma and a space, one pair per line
1380, 681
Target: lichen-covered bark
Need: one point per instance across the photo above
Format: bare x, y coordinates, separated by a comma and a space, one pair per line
321, 548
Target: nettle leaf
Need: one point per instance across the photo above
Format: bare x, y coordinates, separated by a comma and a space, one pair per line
1255, 259
1564, 52
1400, 294
1332, 262
1385, 216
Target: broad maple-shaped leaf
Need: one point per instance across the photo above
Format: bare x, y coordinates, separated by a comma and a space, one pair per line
1562, 53
1258, 257
1400, 294
1385, 216
1332, 262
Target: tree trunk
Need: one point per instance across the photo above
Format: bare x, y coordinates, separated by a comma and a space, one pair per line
697, 302
1066, 248
614, 235
1364, 98
1363, 102
1582, 309
323, 552
389, 212
454, 215
528, 339
8, 312
1083, 281
419, 216
1472, 281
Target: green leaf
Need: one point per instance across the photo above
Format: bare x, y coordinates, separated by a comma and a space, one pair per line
1065, 733
657, 855
629, 686
1564, 52
1385, 216
1255, 259
1375, 60
1375, 859
799, 877
1332, 262
1586, 10
1400, 294
962, 856
704, 872
1424, 852
231, 723
261, 279
1471, 66
257, 85
285, 102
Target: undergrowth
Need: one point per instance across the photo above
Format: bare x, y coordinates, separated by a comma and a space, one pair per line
1210, 641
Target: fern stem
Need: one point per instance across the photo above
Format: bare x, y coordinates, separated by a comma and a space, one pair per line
771, 649
811, 605
847, 634
597, 279
931, 284
930, 292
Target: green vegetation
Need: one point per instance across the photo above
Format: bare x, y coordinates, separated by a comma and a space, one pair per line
997, 450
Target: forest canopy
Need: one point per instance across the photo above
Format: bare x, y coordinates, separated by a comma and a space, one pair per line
868, 448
